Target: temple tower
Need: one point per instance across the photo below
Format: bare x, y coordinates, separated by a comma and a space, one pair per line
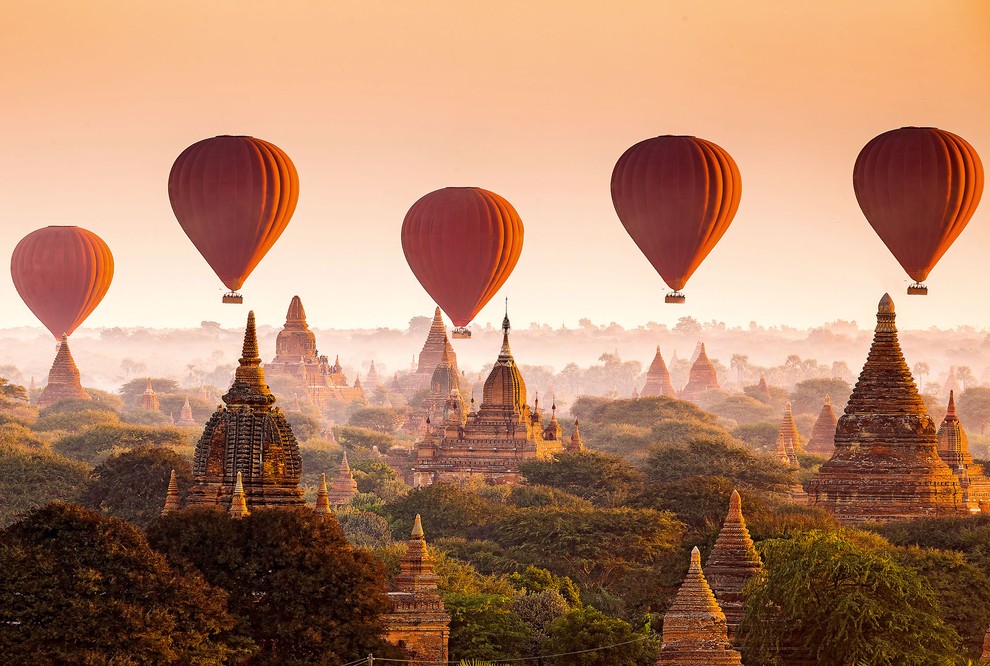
731, 564
172, 500
372, 381
430, 356
787, 439
762, 390
953, 449
322, 497
822, 440
186, 415
344, 487
574, 444
694, 629
295, 343
658, 379
63, 379
886, 464
247, 437
149, 399
702, 378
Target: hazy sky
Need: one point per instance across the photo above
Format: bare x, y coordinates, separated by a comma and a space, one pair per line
378, 103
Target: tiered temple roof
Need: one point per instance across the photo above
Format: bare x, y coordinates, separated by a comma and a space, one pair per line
430, 357
247, 437
63, 379
702, 378
149, 399
172, 501
886, 464
694, 628
953, 449
658, 379
443, 382
732, 563
787, 439
344, 487
822, 440
186, 415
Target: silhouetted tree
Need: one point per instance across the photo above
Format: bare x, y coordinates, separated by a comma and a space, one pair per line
132, 485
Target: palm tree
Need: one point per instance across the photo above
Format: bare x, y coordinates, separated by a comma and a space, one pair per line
740, 362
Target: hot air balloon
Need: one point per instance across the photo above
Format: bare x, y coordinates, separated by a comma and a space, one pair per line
233, 196
62, 274
462, 243
918, 187
676, 196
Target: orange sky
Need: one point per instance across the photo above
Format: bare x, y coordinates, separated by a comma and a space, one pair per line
378, 103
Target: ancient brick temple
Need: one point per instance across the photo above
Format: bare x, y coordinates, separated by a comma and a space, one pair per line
822, 442
149, 399
787, 439
489, 443
762, 390
694, 628
658, 379
731, 564
702, 378
886, 464
436, 345
951, 384
444, 381
248, 437
63, 379
371, 384
417, 622
296, 356
186, 415
953, 449
344, 487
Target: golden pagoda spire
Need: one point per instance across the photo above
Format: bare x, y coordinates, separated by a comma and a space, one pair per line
238, 503
249, 385
172, 495
322, 496
732, 563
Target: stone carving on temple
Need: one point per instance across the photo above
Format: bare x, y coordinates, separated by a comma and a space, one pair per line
63, 379
658, 379
694, 628
953, 449
886, 464
822, 442
702, 378
343, 488
247, 441
731, 564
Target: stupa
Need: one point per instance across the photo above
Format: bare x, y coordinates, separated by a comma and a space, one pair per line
247, 438
430, 357
442, 383
762, 390
417, 622
322, 497
694, 628
951, 384
886, 464
731, 564
343, 487
787, 439
149, 399
371, 384
574, 444
172, 501
658, 379
186, 415
702, 378
822, 442
63, 379
953, 449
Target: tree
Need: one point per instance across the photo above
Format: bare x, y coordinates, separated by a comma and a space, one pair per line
974, 408
742, 409
83, 589
688, 327
296, 586
589, 629
484, 626
600, 478
132, 391
132, 485
95, 442
740, 362
447, 510
379, 419
761, 436
75, 420
352, 437
31, 478
809, 396
10, 393
706, 457
837, 598
304, 426
379, 478
966, 377
921, 370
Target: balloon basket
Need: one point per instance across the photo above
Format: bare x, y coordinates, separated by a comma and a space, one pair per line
233, 297
674, 297
917, 289
461, 333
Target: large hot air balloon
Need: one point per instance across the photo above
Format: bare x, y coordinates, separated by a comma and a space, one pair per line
676, 196
233, 196
462, 243
918, 187
62, 274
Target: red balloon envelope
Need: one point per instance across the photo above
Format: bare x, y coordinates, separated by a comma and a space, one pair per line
918, 187
462, 243
233, 196
676, 196
62, 274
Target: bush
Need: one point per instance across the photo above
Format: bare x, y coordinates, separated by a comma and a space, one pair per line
97, 442
31, 478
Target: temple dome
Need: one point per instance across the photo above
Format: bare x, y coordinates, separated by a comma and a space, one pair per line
445, 377
505, 387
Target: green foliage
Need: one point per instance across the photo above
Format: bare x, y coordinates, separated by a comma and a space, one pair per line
81, 589
296, 587
319, 457
700, 457
352, 437
621, 439
742, 409
132, 391
132, 484
642, 412
484, 626
446, 510
969, 535
94, 443
73, 421
31, 478
676, 433
11, 393
535, 579
304, 426
379, 478
838, 600
486, 556
73, 406
809, 396
537, 611
363, 529
973, 406
526, 496
379, 419
761, 436
599, 478
587, 629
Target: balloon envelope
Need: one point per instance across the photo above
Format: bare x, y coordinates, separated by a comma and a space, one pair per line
918, 187
676, 196
62, 274
462, 243
233, 196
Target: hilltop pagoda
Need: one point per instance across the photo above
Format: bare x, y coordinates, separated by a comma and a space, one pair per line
63, 379
731, 564
702, 378
436, 345
247, 441
953, 449
886, 464
343, 488
658, 379
822, 442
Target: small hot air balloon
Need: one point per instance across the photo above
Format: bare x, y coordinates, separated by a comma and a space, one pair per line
676, 196
462, 243
233, 196
918, 187
62, 274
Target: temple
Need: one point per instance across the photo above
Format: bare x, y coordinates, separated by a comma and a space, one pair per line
694, 628
444, 381
344, 487
63, 379
953, 449
490, 443
186, 415
886, 464
731, 564
247, 441
417, 622
702, 378
822, 442
658, 379
322, 497
788, 439
951, 384
149, 399
296, 357
371, 384
437, 344
172, 500
762, 390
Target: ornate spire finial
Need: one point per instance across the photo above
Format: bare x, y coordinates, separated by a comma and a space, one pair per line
828, 399
322, 496
950, 412
238, 503
735, 506
417, 530
695, 560
172, 495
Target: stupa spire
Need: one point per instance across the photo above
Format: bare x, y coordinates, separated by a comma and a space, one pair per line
658, 378
172, 495
822, 441
238, 503
732, 563
322, 496
702, 377
787, 438
344, 487
249, 385
63, 379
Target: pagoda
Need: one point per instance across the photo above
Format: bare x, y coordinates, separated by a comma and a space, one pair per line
763, 391
574, 444
694, 628
322, 497
658, 379
63, 379
186, 415
953, 449
444, 381
372, 381
172, 500
490, 443
822, 442
436, 345
951, 384
247, 441
149, 399
886, 464
787, 439
702, 378
731, 564
343, 487
417, 621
